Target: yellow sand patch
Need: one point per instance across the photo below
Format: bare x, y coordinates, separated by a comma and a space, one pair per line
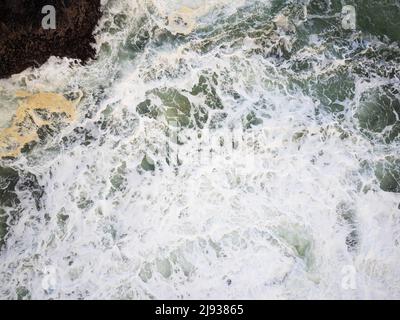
34, 112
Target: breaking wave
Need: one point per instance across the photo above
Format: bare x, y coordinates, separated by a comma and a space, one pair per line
221, 149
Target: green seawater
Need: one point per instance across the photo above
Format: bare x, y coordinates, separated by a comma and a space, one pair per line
117, 205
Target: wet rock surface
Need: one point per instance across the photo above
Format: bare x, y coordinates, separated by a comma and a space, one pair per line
25, 43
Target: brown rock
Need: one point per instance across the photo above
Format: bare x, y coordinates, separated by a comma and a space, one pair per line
24, 43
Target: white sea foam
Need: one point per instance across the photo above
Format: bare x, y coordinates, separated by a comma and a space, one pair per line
260, 212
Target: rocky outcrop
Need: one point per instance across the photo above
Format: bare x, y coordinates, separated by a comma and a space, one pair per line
25, 43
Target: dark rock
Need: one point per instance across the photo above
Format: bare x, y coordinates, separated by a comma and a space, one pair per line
24, 43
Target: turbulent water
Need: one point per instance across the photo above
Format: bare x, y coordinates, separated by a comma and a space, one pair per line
223, 149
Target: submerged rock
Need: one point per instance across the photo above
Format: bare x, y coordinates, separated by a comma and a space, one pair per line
25, 43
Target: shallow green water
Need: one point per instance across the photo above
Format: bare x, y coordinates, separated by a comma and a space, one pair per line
254, 155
